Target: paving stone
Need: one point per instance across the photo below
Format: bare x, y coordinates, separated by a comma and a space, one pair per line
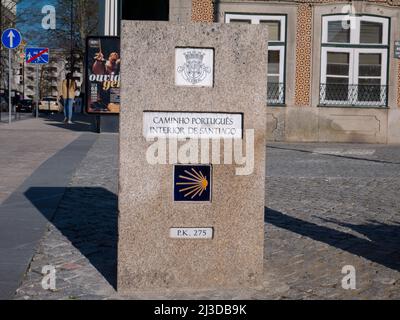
325, 211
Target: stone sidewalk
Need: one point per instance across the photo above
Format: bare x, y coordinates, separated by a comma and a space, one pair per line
14, 117
328, 206
37, 159
24, 145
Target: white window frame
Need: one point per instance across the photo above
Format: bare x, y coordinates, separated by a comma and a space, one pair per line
385, 29
281, 64
384, 61
272, 45
281, 70
354, 58
355, 27
324, 64
355, 48
343, 18
255, 19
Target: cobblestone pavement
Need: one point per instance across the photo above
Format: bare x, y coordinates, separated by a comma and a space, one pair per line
329, 205
25, 145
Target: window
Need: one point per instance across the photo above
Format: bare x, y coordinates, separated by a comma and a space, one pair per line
276, 51
240, 21
336, 33
274, 28
371, 32
337, 75
354, 61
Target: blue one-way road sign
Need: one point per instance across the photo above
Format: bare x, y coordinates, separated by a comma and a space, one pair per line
37, 55
11, 38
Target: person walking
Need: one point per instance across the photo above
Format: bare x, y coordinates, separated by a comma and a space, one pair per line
68, 88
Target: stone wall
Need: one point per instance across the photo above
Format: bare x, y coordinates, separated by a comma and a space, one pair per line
148, 257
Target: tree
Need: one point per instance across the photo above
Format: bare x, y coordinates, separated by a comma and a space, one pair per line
76, 20
45, 83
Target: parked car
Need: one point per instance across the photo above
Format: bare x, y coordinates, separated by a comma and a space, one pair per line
49, 104
25, 106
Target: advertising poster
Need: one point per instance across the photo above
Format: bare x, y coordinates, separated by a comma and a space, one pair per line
103, 75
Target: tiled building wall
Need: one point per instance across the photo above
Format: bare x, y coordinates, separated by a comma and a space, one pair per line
303, 54
202, 10
300, 119
303, 49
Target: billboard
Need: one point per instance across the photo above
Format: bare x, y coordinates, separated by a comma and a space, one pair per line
103, 82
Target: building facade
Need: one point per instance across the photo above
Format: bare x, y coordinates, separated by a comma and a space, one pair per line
7, 20
333, 75
50, 77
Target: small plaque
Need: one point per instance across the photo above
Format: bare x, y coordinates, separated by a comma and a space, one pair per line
192, 183
198, 125
191, 233
397, 49
194, 67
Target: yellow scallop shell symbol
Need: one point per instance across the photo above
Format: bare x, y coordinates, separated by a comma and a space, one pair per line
195, 186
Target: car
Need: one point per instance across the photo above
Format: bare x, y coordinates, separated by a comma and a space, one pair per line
49, 104
25, 106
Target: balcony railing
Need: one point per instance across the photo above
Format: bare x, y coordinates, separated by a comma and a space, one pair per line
353, 95
275, 93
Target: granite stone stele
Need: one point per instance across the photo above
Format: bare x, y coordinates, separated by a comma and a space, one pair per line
195, 223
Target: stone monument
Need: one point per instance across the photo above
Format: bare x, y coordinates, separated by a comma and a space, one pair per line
192, 156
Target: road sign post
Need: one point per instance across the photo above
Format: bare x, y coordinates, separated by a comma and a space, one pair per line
37, 91
37, 56
9, 86
11, 39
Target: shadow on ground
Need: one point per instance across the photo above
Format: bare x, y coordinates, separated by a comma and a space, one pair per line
88, 218
81, 122
383, 246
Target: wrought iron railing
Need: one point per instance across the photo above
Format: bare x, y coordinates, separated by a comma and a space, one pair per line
353, 95
276, 93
